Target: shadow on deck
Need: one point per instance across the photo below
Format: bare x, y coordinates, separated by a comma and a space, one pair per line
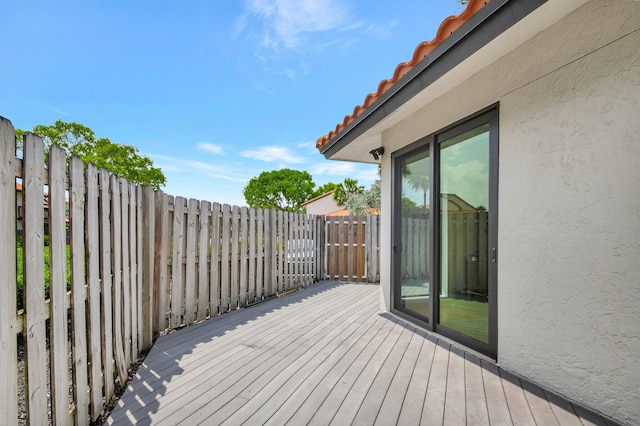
327, 355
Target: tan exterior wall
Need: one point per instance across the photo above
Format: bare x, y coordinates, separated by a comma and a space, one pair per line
322, 206
569, 202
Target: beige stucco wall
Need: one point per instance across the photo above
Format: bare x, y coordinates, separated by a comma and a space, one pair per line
322, 205
569, 202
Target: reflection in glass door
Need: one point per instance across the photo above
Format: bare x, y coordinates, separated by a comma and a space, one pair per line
414, 234
464, 224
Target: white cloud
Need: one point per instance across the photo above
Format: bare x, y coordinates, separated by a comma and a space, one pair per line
209, 147
287, 21
334, 168
273, 153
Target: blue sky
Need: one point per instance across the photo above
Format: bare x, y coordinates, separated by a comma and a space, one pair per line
214, 92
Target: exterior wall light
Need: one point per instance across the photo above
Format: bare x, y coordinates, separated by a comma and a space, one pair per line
377, 153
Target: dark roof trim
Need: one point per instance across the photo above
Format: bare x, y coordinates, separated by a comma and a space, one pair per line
492, 20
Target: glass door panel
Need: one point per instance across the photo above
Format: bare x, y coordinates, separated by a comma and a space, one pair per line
414, 234
464, 224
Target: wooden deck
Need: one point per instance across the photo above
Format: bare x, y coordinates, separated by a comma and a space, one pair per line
327, 355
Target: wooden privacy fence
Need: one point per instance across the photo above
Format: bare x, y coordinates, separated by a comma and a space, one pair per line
139, 262
352, 248
213, 258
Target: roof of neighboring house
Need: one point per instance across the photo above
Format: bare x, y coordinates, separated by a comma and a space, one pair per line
447, 27
318, 197
345, 212
18, 187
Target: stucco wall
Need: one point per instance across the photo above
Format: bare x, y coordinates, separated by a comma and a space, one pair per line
323, 205
569, 272
569, 202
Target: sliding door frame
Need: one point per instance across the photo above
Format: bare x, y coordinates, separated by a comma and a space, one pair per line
432, 144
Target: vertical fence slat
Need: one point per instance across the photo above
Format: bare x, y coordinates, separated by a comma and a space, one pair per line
260, 254
190, 275
176, 262
33, 243
286, 255
93, 283
252, 255
268, 253
8, 356
107, 284
163, 235
146, 216
203, 255
244, 252
235, 256
58, 286
78, 292
133, 269
214, 289
274, 253
126, 271
116, 230
225, 281
140, 265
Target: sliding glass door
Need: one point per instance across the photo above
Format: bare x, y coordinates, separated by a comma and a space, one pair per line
445, 232
414, 234
464, 224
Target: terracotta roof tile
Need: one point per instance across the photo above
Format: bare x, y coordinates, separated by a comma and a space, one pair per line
448, 26
345, 212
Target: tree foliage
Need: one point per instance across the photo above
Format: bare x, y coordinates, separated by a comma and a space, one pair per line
323, 189
77, 139
283, 189
345, 190
356, 198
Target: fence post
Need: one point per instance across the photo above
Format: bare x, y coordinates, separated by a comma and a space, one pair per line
148, 258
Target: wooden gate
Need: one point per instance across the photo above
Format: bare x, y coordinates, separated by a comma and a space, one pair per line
352, 246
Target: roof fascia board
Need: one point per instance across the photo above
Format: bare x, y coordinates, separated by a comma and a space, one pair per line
485, 25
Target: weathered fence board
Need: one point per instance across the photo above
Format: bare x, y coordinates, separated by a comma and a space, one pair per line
116, 231
225, 277
203, 261
93, 283
146, 211
215, 286
177, 289
8, 358
133, 268
260, 258
33, 229
190, 267
161, 267
233, 257
107, 284
58, 287
79, 337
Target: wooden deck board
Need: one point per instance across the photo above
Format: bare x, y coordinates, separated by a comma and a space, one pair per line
455, 409
327, 355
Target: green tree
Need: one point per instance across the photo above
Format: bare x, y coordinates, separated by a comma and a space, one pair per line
77, 139
283, 189
348, 188
356, 198
323, 189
